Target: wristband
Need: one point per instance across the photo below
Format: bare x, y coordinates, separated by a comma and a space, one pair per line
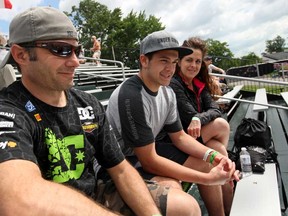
195, 118
212, 157
207, 153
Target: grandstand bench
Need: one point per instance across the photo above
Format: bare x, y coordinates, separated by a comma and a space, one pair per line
258, 194
285, 97
231, 94
261, 98
103, 96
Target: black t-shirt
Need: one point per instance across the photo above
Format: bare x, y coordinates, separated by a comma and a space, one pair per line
65, 143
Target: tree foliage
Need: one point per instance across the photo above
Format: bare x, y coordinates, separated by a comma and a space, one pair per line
220, 52
275, 45
224, 58
251, 58
133, 29
119, 35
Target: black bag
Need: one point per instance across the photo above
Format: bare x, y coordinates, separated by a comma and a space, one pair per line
252, 132
255, 135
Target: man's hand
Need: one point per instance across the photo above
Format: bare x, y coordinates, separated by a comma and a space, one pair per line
220, 157
224, 171
218, 175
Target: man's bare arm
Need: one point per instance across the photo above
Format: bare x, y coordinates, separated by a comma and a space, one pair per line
133, 189
24, 192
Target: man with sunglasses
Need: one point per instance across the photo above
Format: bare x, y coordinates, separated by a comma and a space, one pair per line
52, 136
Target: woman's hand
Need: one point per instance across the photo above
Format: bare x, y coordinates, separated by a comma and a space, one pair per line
194, 128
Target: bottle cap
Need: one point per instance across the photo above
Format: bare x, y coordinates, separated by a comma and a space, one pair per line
243, 148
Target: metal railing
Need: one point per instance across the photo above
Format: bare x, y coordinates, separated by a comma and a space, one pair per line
272, 85
110, 61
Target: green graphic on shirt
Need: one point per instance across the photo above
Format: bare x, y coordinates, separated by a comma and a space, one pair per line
66, 156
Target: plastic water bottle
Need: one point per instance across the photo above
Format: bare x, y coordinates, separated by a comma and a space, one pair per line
245, 161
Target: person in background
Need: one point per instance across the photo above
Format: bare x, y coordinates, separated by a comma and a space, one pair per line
143, 109
82, 60
212, 68
96, 49
221, 81
199, 113
52, 136
7, 73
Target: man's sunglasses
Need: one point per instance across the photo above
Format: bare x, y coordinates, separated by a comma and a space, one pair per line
60, 49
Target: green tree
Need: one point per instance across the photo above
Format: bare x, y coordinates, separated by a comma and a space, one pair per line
118, 34
275, 45
251, 58
126, 40
92, 18
220, 52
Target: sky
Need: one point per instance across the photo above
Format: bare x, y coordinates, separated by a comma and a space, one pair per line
245, 25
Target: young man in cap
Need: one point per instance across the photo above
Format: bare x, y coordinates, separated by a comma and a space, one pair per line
144, 107
52, 136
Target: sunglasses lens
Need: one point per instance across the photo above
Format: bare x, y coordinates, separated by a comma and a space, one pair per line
61, 49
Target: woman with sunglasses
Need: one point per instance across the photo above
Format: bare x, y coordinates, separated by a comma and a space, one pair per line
52, 136
199, 113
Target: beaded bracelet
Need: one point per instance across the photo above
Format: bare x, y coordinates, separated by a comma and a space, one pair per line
212, 157
207, 154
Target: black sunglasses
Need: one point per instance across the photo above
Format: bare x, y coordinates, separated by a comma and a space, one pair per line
60, 49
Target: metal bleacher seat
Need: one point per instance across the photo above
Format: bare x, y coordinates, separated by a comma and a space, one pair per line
258, 194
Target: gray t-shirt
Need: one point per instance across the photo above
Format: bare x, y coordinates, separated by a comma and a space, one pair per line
137, 114
7, 76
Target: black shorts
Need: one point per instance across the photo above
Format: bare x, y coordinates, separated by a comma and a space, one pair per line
169, 151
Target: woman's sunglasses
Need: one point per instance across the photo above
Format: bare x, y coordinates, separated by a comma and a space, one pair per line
60, 49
